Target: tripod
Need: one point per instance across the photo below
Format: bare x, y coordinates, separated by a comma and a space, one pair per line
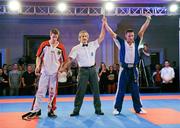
142, 71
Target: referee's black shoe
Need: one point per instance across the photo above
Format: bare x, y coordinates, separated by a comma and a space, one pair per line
99, 113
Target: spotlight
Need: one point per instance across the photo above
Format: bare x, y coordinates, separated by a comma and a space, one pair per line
14, 5
62, 7
173, 7
109, 6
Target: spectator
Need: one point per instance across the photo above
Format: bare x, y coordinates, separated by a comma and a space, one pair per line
22, 69
5, 69
167, 75
73, 78
112, 80
9, 68
103, 80
22, 89
176, 79
145, 54
74, 70
29, 81
157, 76
116, 68
62, 77
14, 80
65, 82
4, 86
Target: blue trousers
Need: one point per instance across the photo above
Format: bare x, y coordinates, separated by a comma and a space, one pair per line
128, 77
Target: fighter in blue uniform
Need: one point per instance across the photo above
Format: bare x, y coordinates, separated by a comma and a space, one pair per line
129, 58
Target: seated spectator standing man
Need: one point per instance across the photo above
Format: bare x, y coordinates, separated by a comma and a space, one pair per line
29, 81
112, 74
145, 54
103, 79
85, 53
157, 76
129, 58
4, 85
14, 80
5, 69
167, 75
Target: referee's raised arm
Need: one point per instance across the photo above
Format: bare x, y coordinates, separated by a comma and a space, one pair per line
102, 34
108, 28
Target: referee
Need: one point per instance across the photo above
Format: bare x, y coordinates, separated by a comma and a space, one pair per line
85, 53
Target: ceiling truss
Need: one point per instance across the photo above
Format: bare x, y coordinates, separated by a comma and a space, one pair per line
86, 11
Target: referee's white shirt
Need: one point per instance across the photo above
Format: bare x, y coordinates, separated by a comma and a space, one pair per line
85, 56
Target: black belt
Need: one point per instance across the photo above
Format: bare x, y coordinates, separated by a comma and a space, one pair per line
87, 67
129, 66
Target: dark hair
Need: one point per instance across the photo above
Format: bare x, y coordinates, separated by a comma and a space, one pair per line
2, 70
29, 65
110, 66
129, 30
54, 31
102, 63
4, 65
145, 44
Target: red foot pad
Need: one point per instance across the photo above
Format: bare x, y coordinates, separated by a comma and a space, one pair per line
14, 120
162, 116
